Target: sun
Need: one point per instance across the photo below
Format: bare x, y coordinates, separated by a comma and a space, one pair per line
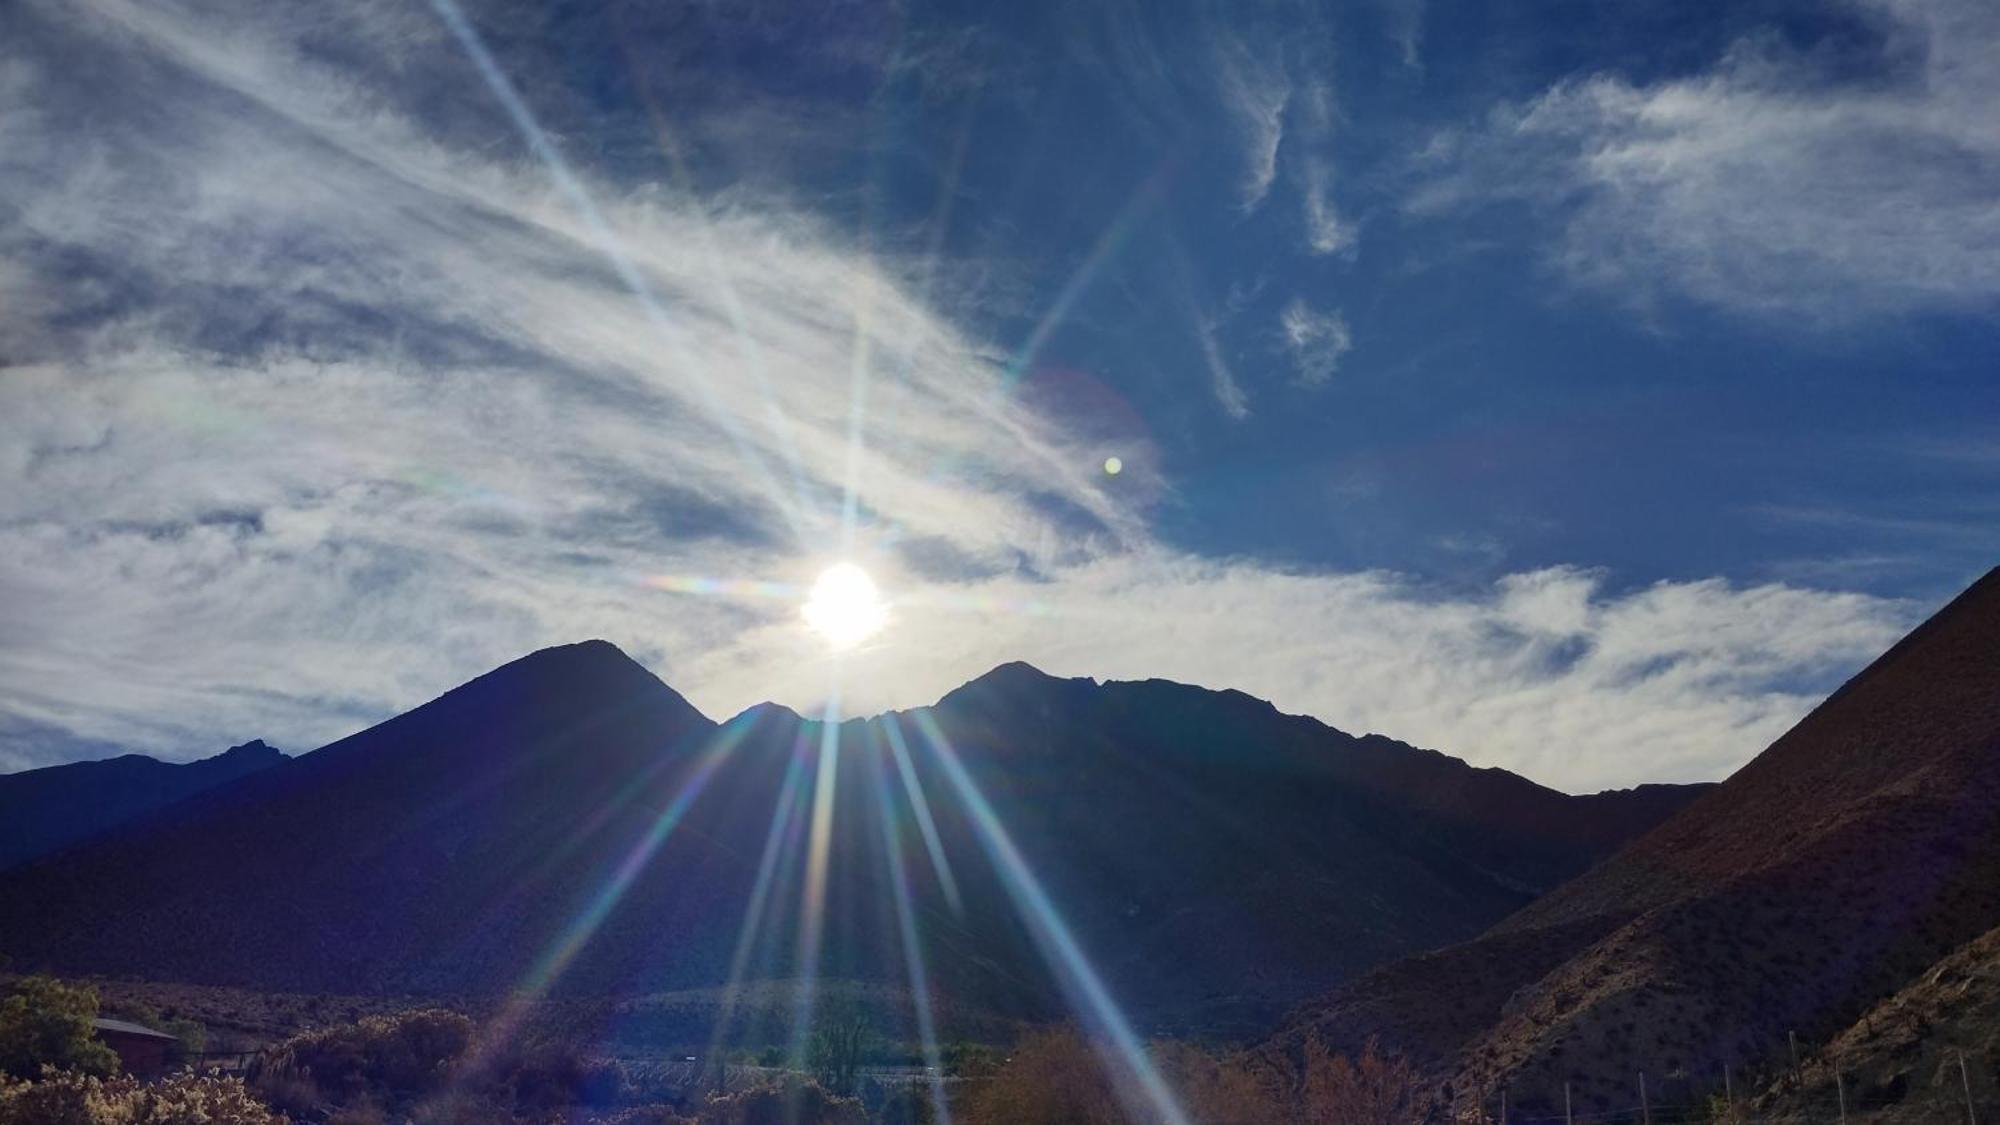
844, 607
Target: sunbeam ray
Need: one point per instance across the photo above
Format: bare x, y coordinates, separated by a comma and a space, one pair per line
775, 418
1108, 243
899, 749
783, 813
1141, 1086
572, 189
542, 975
819, 855
906, 925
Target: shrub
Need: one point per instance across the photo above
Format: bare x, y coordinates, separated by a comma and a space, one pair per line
1056, 1077
552, 1076
1375, 1089
381, 1059
67, 1097
1053, 1078
792, 1102
46, 1023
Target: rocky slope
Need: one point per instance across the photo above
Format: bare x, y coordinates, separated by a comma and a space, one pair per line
1858, 849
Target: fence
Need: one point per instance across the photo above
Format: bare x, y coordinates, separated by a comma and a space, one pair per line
1950, 1100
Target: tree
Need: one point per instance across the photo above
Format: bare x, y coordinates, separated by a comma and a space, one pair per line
839, 1043
1375, 1089
48, 1023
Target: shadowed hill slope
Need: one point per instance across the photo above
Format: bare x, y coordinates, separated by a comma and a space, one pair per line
46, 810
569, 821
1900, 1062
1859, 848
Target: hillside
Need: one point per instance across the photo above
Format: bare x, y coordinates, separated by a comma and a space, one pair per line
46, 810
1858, 849
1899, 1063
569, 821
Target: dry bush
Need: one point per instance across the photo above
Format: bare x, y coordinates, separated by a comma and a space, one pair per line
790, 1103
187, 1098
1375, 1089
1056, 1077
381, 1060
1216, 1089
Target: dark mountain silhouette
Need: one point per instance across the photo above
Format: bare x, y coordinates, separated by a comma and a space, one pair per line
45, 810
1857, 850
1218, 859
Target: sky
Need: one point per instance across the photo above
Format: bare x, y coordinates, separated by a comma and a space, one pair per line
1576, 388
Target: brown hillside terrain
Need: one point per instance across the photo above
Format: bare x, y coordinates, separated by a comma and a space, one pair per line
1858, 849
1899, 1063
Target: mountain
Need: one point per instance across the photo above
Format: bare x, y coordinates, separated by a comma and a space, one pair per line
568, 821
45, 810
1858, 849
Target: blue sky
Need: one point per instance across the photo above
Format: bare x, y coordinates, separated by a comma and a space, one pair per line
1578, 388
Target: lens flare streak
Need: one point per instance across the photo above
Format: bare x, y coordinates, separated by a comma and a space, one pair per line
573, 191
913, 953
501, 1029
899, 747
812, 908
1124, 1053
782, 815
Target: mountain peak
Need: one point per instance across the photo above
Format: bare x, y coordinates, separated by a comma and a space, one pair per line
593, 669
253, 750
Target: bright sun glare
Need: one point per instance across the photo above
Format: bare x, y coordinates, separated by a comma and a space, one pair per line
844, 607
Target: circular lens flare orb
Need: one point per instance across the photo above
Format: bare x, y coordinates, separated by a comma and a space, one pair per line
844, 607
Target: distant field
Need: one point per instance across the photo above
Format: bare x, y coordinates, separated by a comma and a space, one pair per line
651, 1025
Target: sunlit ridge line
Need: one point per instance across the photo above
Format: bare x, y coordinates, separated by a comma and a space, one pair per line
926, 826
913, 953
812, 906
1059, 946
572, 189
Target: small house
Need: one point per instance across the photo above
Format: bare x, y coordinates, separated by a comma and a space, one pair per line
142, 1052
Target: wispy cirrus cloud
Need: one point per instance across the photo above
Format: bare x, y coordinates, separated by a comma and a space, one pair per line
1256, 91
314, 407
1315, 340
1779, 182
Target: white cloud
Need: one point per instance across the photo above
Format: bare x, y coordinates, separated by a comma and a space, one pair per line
1773, 183
312, 414
1545, 673
1327, 230
1255, 90
1315, 340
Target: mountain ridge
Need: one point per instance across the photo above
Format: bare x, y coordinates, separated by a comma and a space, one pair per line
449, 848
45, 810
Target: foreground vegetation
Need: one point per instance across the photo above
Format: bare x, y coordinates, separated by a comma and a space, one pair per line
432, 1066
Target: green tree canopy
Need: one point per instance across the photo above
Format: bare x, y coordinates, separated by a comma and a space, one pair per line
45, 1022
